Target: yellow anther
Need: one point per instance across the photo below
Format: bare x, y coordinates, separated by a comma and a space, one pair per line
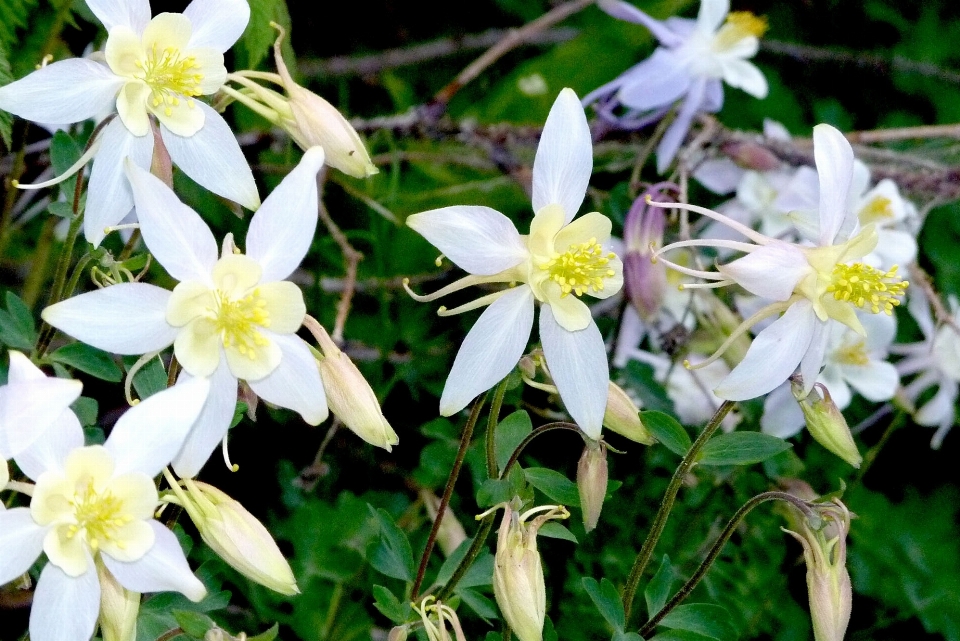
581, 268
169, 76
853, 354
239, 321
867, 287
739, 25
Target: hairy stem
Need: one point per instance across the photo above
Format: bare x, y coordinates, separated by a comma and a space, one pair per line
666, 505
492, 421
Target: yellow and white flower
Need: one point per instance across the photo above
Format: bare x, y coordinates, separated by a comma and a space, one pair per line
558, 263
153, 68
231, 317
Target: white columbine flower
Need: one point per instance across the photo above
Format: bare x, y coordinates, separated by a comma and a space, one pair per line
556, 264
694, 59
811, 286
30, 406
94, 505
232, 317
153, 67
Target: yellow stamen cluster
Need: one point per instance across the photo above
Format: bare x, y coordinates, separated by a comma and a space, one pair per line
867, 287
740, 25
170, 76
877, 210
98, 516
238, 320
583, 266
853, 354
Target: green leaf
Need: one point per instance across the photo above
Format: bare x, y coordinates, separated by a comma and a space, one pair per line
64, 152
17, 328
391, 554
554, 530
555, 485
741, 448
510, 432
194, 624
6, 77
681, 635
388, 604
86, 409
22, 315
495, 491
605, 596
89, 360
711, 621
149, 379
479, 604
620, 635
259, 35
667, 430
658, 589
61, 209
267, 635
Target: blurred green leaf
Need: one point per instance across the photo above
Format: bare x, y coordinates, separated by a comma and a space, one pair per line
194, 624
510, 432
89, 360
667, 430
741, 448
555, 485
660, 586
6, 77
391, 554
711, 621
389, 605
554, 530
86, 409
607, 599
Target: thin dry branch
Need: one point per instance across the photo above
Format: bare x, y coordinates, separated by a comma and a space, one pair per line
351, 259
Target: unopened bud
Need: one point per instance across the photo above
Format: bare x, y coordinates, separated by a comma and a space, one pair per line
451, 533
518, 583
645, 281
317, 122
623, 416
237, 536
826, 423
118, 608
350, 397
751, 155
398, 633
828, 582
592, 482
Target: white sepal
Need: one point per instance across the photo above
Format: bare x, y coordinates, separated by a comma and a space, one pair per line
564, 160
65, 608
295, 383
479, 240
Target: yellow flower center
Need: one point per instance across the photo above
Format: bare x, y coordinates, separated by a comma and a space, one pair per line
169, 76
238, 320
875, 211
866, 287
98, 516
739, 25
853, 354
582, 267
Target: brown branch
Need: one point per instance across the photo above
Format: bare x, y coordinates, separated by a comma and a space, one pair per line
405, 56
351, 259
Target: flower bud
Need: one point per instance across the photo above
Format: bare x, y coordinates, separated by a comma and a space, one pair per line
645, 281
623, 416
118, 608
826, 423
592, 482
751, 155
316, 122
828, 582
350, 397
398, 633
451, 533
518, 583
237, 537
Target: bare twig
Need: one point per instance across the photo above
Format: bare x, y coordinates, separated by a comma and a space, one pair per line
351, 259
405, 56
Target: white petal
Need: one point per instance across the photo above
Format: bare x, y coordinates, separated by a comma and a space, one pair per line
65, 608
834, 158
658, 81
479, 240
295, 383
149, 434
782, 415
745, 75
50, 452
212, 157
21, 540
771, 271
719, 175
676, 133
174, 233
63, 92
813, 359
134, 14
282, 229
895, 247
492, 348
877, 381
109, 198
838, 388
626, 11
941, 409
712, 14
211, 425
28, 409
578, 364
564, 160
217, 23
22, 370
163, 569
773, 356
128, 318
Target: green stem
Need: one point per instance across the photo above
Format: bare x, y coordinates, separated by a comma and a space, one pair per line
543, 429
492, 421
666, 505
714, 552
10, 198
78, 273
486, 524
898, 420
447, 492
